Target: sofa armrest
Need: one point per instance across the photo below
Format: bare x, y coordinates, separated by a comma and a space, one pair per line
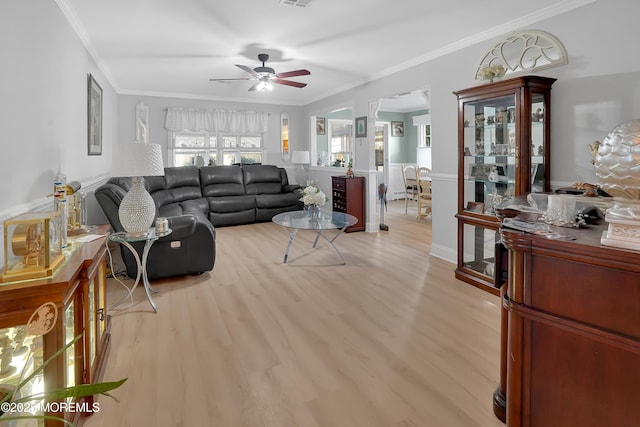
290, 188
181, 226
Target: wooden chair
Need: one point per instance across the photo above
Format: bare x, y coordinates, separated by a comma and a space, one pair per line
410, 185
424, 192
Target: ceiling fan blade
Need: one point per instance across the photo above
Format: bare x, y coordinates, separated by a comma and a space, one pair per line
225, 80
294, 73
254, 87
289, 83
247, 69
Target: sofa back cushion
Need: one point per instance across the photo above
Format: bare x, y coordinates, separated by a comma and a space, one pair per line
263, 179
220, 181
183, 182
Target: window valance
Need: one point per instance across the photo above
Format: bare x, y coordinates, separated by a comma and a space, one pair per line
210, 120
424, 119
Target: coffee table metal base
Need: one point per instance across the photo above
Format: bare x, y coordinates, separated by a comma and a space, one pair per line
292, 237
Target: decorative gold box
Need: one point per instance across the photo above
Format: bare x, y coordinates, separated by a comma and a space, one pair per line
32, 245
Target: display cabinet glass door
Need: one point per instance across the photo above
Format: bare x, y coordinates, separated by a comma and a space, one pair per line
478, 251
95, 321
91, 322
20, 354
538, 144
489, 152
69, 334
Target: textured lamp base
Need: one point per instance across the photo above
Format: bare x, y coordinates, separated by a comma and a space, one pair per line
137, 209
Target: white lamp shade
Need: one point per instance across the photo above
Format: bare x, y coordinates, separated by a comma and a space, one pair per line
301, 157
138, 159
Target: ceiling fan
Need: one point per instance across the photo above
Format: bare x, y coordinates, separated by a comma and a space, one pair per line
266, 76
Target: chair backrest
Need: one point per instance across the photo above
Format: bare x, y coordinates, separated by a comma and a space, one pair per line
424, 181
408, 172
424, 173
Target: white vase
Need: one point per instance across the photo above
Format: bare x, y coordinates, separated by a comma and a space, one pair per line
313, 212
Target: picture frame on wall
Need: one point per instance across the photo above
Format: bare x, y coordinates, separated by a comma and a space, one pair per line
361, 127
321, 125
397, 129
94, 117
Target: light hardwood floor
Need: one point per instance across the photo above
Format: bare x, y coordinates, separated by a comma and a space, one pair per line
390, 339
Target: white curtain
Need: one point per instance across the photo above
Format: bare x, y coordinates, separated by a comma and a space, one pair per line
200, 119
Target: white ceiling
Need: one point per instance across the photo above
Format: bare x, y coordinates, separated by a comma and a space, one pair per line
173, 47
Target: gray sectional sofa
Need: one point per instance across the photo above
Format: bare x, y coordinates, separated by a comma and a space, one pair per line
195, 200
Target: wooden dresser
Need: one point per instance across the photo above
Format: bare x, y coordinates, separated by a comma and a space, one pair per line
573, 331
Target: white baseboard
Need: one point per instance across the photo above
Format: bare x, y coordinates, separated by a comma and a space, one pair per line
445, 253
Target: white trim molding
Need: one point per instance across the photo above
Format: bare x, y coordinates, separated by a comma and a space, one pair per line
524, 52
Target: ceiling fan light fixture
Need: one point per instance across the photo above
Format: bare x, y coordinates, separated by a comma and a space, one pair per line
267, 77
264, 85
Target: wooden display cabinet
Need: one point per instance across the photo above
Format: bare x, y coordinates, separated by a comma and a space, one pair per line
348, 197
503, 152
78, 289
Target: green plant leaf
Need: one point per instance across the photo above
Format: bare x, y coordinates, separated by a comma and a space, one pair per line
80, 390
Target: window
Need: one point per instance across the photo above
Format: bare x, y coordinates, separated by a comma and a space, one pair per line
424, 136
340, 132
423, 123
204, 148
379, 147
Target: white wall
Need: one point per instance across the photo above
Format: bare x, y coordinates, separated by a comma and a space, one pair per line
43, 113
597, 90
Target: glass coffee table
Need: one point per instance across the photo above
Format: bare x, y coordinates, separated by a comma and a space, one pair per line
294, 221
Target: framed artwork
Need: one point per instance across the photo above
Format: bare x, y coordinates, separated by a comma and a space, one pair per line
94, 119
397, 128
361, 127
142, 123
321, 125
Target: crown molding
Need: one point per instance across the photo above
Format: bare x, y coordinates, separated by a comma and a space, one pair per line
79, 29
524, 21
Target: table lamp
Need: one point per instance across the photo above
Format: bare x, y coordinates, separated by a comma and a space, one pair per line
301, 158
137, 209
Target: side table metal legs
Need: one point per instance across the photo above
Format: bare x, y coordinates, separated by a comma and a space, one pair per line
142, 270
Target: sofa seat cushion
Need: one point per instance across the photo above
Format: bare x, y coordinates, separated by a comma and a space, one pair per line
231, 204
270, 201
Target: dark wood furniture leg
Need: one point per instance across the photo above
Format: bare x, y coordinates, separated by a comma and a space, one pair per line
501, 278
